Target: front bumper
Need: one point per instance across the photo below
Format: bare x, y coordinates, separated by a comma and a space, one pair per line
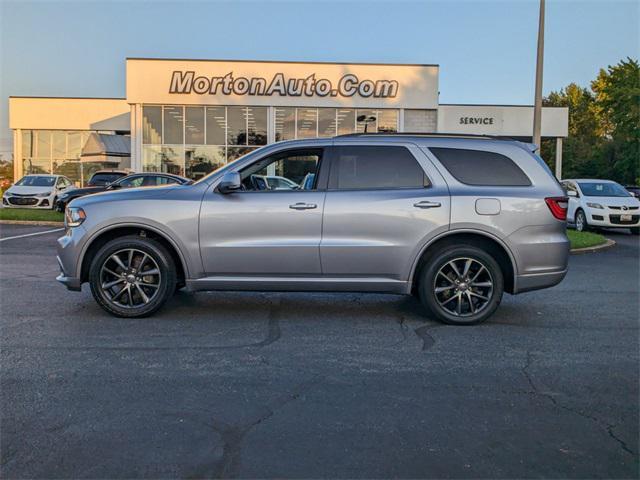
27, 202
612, 218
69, 252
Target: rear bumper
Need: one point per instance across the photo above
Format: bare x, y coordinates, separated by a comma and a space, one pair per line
537, 281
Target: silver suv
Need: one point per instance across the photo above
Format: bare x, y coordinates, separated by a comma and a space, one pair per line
456, 221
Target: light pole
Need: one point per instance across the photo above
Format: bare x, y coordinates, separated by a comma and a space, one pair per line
537, 109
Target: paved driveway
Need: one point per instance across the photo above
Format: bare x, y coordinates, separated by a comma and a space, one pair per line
318, 385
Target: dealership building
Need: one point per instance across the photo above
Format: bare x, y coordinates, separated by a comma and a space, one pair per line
189, 117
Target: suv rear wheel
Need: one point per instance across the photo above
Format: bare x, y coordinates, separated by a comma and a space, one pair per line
132, 276
461, 285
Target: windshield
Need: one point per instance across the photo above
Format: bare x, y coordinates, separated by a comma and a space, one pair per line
597, 189
36, 181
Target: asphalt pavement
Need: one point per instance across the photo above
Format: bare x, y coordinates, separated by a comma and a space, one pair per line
222, 385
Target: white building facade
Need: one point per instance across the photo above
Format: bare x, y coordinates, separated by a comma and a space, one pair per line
189, 117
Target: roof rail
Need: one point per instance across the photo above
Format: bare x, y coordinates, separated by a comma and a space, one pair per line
423, 134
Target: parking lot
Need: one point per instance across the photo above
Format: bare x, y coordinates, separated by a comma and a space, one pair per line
318, 385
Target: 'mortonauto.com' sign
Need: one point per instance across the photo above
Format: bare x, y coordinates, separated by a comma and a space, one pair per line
347, 86
281, 84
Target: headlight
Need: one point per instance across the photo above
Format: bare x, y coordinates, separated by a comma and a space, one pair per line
6, 194
43, 194
594, 205
74, 216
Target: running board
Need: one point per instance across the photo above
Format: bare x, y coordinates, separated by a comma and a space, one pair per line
301, 284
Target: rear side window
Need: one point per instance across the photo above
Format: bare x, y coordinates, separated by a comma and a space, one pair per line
370, 167
481, 168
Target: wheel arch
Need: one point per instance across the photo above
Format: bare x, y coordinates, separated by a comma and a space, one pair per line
499, 250
103, 236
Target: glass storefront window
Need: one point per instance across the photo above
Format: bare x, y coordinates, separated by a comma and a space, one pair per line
285, 123
216, 125
388, 121
194, 125
59, 143
173, 125
27, 143
326, 122
307, 123
151, 124
234, 153
257, 125
202, 159
346, 121
366, 121
42, 143
236, 126
36, 165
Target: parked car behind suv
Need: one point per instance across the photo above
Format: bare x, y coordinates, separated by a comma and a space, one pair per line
597, 203
37, 191
456, 221
128, 181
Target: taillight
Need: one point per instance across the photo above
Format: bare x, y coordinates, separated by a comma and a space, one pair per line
558, 206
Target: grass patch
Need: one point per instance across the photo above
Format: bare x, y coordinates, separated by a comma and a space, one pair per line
31, 214
585, 239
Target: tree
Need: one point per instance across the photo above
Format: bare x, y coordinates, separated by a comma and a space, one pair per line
617, 95
604, 125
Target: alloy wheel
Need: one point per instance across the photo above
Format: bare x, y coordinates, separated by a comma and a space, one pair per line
580, 221
130, 278
463, 287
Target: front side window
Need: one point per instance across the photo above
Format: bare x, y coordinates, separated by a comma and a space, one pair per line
375, 167
283, 171
481, 168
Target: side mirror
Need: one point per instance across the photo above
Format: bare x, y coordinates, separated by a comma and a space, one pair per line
572, 193
231, 182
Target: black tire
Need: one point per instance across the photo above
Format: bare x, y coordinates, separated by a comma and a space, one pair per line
635, 230
431, 278
165, 279
584, 226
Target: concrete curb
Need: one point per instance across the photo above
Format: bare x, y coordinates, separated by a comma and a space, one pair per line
38, 223
605, 246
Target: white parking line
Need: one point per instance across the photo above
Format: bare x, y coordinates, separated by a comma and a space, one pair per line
31, 234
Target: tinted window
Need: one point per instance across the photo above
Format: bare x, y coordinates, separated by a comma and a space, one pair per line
104, 178
477, 167
376, 167
131, 182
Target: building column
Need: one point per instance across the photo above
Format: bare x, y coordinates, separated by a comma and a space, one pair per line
17, 154
136, 137
401, 121
559, 158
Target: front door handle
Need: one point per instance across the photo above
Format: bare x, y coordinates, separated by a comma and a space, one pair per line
427, 204
303, 206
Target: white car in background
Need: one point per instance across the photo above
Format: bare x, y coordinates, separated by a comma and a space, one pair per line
36, 191
601, 203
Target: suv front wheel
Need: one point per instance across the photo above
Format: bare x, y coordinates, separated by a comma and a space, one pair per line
132, 276
461, 285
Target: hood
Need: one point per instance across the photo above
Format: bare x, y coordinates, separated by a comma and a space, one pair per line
84, 191
128, 194
30, 190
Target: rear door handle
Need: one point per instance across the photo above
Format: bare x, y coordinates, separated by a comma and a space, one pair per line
427, 204
303, 206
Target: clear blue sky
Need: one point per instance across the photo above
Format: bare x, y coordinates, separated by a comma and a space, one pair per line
485, 49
